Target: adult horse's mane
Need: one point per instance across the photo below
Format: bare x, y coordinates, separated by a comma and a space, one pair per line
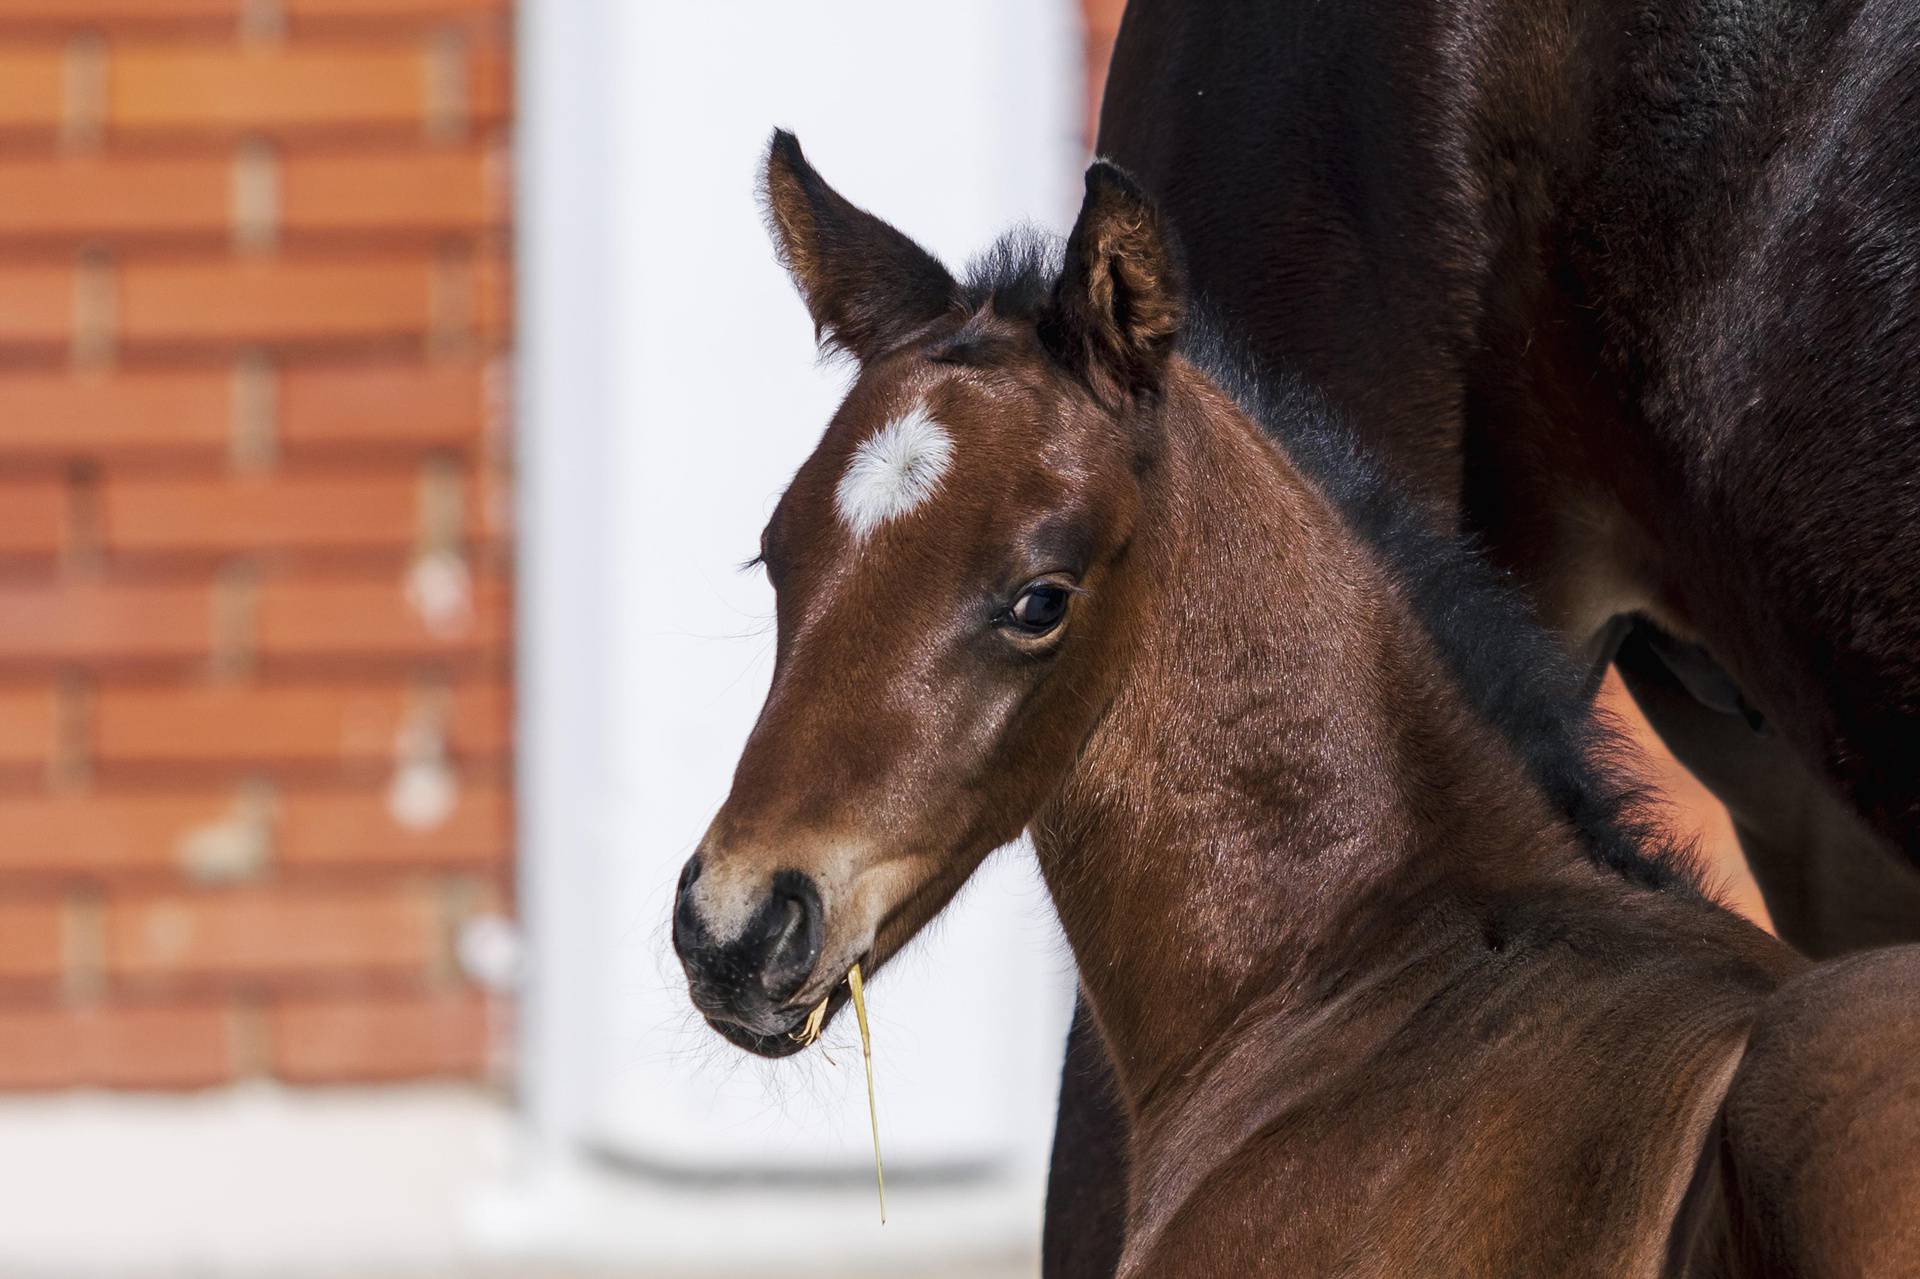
1512, 672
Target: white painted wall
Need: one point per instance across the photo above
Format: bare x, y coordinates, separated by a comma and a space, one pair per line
669, 389
247, 1182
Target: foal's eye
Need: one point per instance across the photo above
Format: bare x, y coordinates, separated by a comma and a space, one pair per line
1039, 608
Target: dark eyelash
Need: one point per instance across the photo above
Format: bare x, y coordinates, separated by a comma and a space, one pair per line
747, 566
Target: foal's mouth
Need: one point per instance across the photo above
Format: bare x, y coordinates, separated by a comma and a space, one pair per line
792, 1037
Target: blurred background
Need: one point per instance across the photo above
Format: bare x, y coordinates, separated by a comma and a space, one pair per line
389, 391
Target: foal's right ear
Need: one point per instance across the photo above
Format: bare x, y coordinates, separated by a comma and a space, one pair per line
867, 286
1122, 296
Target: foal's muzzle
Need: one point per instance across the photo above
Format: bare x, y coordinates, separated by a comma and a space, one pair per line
744, 985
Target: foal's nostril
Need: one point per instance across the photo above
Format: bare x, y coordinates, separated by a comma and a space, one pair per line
788, 958
750, 975
792, 936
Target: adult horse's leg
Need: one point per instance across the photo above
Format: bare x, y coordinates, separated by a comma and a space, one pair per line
1087, 1185
1831, 884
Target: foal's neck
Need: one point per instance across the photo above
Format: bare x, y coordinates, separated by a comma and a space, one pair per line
1284, 762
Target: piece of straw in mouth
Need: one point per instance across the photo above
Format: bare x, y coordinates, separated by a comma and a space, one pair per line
815, 1019
810, 1031
866, 1054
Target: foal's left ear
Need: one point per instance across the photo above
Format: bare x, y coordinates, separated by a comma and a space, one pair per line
867, 286
1122, 295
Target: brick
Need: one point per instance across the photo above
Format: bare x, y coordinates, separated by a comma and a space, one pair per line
97, 835
371, 618
33, 516
386, 404
91, 197
378, 1038
114, 835
489, 83
93, 14
173, 15
253, 725
261, 513
32, 940
223, 87
60, 414
455, 189
116, 1047
29, 726
271, 934
298, 88
67, 621
32, 85
334, 829
36, 300
362, 298
131, 197
391, 10
41, 1048
88, 14
161, 1047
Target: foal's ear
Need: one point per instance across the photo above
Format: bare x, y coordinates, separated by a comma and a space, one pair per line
1122, 295
867, 286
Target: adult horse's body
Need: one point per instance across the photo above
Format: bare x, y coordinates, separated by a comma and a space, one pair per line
1394, 979
1631, 291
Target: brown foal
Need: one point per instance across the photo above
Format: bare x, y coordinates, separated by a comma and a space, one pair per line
1378, 1005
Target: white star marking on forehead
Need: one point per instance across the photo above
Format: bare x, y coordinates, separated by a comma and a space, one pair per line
892, 471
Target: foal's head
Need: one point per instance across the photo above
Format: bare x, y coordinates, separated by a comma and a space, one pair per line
953, 589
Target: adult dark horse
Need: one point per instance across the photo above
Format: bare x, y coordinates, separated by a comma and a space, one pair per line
1632, 292
1380, 1005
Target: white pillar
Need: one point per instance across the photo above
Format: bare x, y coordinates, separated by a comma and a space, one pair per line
668, 389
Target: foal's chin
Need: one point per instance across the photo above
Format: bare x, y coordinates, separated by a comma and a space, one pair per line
773, 1046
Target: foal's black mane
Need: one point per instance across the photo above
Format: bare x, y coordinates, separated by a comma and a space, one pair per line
1513, 673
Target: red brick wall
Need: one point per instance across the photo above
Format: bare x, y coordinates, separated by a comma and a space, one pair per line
254, 600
